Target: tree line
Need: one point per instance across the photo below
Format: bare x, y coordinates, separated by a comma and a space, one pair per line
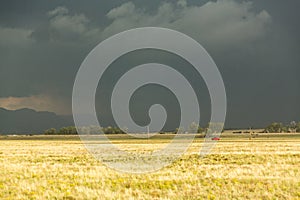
277, 127
72, 130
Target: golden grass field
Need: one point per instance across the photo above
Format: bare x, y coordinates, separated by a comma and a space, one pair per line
59, 167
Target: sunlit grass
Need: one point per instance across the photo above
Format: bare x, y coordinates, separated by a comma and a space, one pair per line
261, 168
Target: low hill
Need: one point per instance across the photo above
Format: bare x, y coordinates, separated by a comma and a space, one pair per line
30, 121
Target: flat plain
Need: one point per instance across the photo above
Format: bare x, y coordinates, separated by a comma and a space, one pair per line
60, 167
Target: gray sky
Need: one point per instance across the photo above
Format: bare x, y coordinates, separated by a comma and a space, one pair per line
255, 44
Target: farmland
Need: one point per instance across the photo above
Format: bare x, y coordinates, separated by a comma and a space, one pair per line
59, 167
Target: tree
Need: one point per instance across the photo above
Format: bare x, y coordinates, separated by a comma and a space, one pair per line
70, 130
215, 128
274, 128
193, 128
201, 130
292, 127
50, 131
179, 130
298, 127
112, 130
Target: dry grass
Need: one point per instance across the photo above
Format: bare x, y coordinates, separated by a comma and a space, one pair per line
61, 168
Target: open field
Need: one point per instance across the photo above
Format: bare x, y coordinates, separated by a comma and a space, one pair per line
59, 167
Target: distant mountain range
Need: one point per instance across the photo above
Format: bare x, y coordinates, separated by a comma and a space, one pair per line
30, 121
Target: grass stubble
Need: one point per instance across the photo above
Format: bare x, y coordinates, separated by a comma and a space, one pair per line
237, 168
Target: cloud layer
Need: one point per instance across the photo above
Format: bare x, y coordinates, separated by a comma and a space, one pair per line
254, 44
224, 22
15, 37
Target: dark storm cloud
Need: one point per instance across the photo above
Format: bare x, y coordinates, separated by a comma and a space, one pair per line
255, 44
